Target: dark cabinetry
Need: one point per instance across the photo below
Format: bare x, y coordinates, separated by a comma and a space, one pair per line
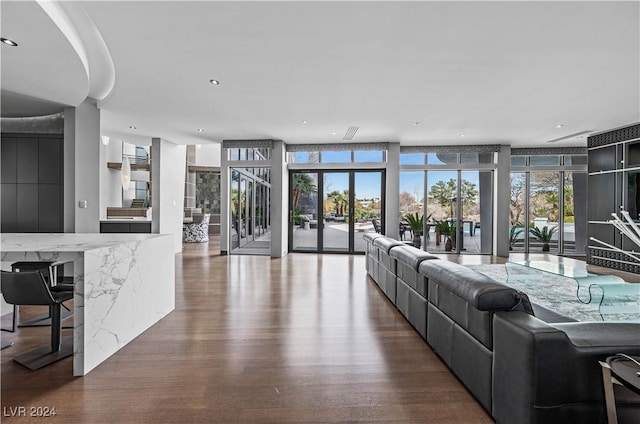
614, 184
32, 183
125, 227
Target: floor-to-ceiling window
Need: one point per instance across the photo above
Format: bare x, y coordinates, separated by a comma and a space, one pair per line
336, 196
249, 201
453, 190
548, 201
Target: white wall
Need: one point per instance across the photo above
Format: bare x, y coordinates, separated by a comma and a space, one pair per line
167, 176
110, 185
82, 148
279, 201
208, 155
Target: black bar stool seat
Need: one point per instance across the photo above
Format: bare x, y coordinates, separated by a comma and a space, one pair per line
30, 288
49, 270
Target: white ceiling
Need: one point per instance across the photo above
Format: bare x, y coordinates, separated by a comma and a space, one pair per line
498, 72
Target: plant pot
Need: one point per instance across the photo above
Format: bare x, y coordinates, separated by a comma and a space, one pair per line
417, 242
448, 246
545, 247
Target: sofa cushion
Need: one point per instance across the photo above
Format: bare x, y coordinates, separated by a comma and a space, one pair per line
370, 237
385, 244
601, 334
479, 290
410, 255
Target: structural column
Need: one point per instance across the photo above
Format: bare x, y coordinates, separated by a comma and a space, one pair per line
502, 202
392, 200
82, 160
168, 167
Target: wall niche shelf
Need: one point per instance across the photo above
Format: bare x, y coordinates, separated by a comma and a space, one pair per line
134, 166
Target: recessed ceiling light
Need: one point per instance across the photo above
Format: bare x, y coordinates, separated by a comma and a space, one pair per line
462, 135
131, 127
334, 133
417, 123
200, 130
559, 126
305, 122
9, 42
214, 82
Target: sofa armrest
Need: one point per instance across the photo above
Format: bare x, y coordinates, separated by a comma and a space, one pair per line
542, 375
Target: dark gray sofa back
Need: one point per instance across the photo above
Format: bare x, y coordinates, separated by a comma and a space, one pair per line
370, 237
410, 256
469, 298
549, 373
479, 290
385, 244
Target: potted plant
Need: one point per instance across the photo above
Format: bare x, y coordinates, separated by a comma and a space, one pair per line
544, 235
514, 233
447, 229
416, 222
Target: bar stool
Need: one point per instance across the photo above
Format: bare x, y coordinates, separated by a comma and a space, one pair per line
50, 271
30, 288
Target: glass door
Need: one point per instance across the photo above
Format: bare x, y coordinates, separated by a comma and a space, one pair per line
367, 206
475, 221
330, 211
250, 192
544, 212
442, 189
303, 230
336, 207
460, 207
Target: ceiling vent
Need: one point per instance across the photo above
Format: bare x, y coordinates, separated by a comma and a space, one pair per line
350, 133
570, 136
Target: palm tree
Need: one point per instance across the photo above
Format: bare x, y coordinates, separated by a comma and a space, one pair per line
302, 183
335, 196
416, 222
344, 201
543, 235
447, 229
514, 236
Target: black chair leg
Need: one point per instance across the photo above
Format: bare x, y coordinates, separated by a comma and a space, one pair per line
57, 350
55, 327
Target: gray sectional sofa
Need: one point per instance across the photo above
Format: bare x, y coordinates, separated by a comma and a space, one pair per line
520, 368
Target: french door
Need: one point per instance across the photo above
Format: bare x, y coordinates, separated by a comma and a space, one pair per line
330, 211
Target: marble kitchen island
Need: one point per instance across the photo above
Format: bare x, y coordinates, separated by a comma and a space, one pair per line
123, 284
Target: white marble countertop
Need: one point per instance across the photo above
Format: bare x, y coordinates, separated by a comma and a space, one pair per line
123, 284
66, 242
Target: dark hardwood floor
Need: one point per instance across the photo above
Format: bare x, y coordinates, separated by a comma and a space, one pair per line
306, 338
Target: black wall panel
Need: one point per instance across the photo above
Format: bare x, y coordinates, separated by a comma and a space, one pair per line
602, 196
27, 208
9, 161
27, 161
9, 215
32, 183
50, 161
602, 159
49, 216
